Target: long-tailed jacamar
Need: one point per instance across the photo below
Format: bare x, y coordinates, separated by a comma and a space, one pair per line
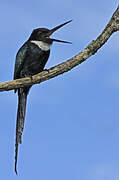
30, 60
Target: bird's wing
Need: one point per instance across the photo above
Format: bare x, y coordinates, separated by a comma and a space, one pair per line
20, 57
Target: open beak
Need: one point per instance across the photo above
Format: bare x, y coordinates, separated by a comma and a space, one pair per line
55, 29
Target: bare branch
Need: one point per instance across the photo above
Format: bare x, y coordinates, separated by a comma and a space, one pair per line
90, 50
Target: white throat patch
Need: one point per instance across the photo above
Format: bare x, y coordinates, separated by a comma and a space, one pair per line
42, 45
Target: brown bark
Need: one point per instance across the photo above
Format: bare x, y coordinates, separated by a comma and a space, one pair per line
90, 50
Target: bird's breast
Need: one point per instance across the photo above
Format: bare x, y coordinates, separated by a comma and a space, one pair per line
35, 60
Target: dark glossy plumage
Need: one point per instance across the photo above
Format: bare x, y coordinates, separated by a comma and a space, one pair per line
30, 60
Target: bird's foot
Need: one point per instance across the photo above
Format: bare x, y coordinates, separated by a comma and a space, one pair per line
30, 76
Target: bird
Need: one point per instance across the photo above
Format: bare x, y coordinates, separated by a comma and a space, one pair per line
30, 60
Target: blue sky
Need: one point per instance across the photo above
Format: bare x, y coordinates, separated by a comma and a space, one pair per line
72, 122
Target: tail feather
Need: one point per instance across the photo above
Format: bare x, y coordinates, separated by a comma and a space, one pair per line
21, 111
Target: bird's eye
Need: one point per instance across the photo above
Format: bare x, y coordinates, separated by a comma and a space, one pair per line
39, 32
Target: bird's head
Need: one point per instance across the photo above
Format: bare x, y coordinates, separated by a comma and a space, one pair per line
43, 34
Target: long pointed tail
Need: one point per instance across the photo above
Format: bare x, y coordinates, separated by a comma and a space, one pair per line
21, 111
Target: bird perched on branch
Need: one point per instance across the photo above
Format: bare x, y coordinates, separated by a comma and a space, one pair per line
30, 60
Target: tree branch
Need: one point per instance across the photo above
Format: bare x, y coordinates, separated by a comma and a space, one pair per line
90, 50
